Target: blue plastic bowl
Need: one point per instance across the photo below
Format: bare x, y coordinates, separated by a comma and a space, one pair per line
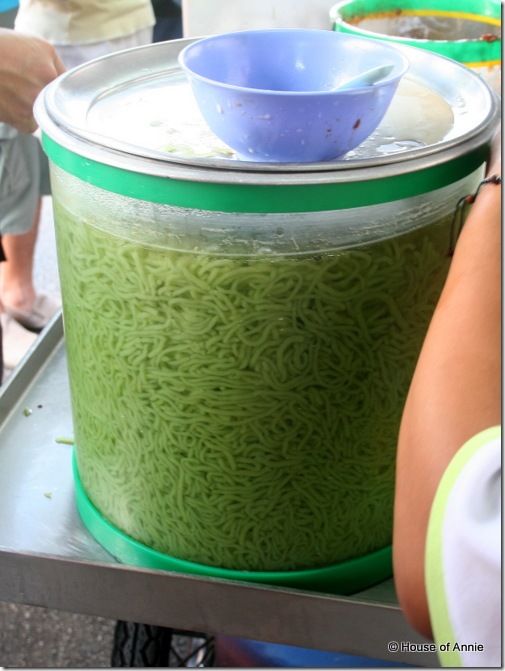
270, 94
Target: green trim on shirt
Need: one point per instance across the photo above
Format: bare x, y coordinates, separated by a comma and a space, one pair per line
434, 568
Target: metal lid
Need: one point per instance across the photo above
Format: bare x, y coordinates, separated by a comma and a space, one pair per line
134, 112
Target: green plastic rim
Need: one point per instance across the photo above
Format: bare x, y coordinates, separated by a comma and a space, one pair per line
262, 198
344, 578
472, 52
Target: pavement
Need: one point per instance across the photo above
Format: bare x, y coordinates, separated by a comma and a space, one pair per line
33, 637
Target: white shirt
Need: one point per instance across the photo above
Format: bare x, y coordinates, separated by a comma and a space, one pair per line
463, 556
74, 22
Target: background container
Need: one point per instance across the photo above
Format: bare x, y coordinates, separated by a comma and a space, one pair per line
469, 33
241, 336
207, 17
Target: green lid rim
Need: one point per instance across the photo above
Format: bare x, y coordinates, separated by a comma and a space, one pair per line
470, 52
263, 198
344, 578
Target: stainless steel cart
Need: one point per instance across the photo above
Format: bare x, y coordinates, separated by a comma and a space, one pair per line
49, 559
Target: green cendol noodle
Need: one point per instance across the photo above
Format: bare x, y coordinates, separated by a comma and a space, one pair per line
242, 412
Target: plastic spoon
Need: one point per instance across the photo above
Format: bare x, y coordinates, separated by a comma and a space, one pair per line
367, 78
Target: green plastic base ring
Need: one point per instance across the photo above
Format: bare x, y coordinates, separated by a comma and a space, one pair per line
343, 579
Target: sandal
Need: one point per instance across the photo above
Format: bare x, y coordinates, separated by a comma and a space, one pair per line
43, 310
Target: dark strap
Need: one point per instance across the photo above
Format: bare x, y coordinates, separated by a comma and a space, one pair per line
165, 8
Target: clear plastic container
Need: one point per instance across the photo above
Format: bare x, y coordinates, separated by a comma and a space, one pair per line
241, 336
238, 380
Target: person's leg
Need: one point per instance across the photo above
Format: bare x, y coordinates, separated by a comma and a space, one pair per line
19, 298
2, 258
24, 179
6, 21
16, 279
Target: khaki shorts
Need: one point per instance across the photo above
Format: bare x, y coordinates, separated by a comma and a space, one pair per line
24, 177
8, 18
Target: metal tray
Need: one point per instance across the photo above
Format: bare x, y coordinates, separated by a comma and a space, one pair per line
49, 559
139, 103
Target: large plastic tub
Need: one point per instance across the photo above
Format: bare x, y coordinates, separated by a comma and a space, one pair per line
241, 337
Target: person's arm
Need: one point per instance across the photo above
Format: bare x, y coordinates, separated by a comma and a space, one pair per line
27, 64
455, 391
